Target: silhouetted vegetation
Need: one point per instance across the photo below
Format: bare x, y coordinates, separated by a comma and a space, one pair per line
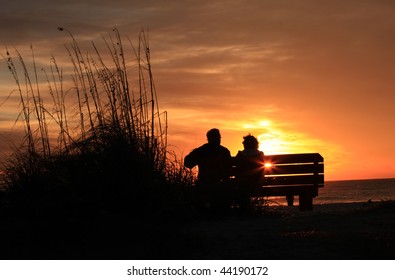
93, 167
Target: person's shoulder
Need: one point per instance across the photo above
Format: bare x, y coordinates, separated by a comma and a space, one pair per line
197, 151
251, 154
204, 147
224, 149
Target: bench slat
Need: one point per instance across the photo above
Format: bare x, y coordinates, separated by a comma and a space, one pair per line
294, 158
317, 180
295, 169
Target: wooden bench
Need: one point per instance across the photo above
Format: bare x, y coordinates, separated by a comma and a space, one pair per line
292, 175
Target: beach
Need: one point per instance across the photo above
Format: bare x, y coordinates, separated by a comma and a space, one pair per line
349, 231
332, 231
340, 230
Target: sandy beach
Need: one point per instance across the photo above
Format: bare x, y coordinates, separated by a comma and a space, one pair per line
331, 231
352, 231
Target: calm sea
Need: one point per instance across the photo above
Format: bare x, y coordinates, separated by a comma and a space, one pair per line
353, 191
349, 191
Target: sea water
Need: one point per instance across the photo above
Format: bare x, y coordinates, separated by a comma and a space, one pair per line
349, 191
356, 191
346, 191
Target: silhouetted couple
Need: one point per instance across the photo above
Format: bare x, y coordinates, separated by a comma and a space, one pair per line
215, 168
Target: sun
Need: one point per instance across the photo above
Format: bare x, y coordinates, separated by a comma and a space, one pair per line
278, 138
271, 139
265, 123
268, 165
270, 144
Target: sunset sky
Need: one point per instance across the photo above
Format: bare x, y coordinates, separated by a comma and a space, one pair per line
303, 76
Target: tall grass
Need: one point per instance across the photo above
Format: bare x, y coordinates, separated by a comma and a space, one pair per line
93, 135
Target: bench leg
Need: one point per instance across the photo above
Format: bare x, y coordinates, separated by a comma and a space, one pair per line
290, 200
306, 202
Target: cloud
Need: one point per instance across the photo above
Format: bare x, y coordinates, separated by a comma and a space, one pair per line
325, 65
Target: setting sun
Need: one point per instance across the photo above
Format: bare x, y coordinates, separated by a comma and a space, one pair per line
268, 165
271, 145
274, 138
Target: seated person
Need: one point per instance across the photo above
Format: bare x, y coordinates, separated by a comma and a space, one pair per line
250, 170
213, 160
214, 163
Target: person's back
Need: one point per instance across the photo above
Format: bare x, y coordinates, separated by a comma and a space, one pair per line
214, 163
250, 169
213, 160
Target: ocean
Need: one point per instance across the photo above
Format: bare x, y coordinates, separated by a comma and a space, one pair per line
349, 191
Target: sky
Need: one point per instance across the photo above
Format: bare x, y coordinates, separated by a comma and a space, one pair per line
303, 76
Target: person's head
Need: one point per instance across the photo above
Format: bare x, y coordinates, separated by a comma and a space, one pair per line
213, 136
250, 142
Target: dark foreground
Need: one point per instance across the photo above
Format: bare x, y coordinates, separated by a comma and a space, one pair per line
338, 231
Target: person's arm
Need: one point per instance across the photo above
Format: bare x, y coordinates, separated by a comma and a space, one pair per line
192, 159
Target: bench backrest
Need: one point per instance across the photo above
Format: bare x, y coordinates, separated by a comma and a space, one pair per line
294, 169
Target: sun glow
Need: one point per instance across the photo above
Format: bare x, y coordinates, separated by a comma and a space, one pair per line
277, 138
272, 139
265, 123
271, 144
268, 165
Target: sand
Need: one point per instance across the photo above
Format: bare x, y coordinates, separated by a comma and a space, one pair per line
331, 231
